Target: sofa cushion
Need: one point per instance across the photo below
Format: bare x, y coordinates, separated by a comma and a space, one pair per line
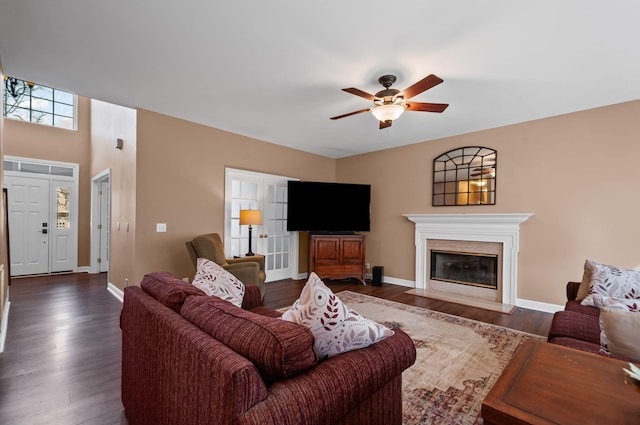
212, 279
279, 349
336, 327
168, 289
613, 287
620, 332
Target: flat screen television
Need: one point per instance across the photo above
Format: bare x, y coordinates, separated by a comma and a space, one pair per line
321, 207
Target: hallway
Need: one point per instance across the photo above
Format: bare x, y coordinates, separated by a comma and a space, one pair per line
61, 363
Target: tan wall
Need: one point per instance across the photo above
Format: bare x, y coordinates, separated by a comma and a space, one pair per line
109, 123
30, 140
577, 173
180, 182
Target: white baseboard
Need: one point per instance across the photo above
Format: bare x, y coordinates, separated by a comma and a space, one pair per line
83, 269
115, 291
4, 324
539, 306
400, 282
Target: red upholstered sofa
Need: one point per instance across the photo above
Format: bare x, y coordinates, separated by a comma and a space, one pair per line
578, 326
258, 369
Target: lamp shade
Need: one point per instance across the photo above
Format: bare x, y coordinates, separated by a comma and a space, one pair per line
250, 217
387, 112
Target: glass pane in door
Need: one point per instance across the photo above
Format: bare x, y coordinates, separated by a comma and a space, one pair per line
62, 208
245, 195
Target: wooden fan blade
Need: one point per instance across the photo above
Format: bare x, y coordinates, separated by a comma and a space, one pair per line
360, 93
350, 113
426, 107
425, 84
385, 124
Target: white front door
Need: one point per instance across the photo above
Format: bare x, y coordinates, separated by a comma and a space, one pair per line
268, 193
28, 224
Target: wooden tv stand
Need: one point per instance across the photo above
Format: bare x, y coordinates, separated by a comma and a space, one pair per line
337, 256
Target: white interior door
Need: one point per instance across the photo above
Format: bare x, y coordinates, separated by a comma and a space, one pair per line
29, 224
104, 226
265, 192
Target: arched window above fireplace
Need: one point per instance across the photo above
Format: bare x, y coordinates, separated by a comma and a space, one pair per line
465, 176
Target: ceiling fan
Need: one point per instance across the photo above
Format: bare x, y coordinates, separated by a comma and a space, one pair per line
390, 103
482, 171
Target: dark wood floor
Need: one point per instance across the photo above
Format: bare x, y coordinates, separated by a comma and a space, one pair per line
61, 363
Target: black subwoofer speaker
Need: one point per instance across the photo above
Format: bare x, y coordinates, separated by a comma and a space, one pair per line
378, 275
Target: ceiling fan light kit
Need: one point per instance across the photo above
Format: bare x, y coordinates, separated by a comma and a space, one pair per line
388, 112
390, 103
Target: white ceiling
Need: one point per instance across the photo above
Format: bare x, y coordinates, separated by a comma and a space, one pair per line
273, 70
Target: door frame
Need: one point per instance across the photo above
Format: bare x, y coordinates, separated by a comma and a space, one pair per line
103, 176
75, 196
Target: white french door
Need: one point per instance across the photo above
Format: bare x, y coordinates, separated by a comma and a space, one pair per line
42, 209
267, 193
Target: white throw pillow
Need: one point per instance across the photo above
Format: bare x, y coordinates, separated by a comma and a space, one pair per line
613, 287
620, 332
336, 328
212, 279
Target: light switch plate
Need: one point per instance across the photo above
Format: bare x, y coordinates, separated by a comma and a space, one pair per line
161, 227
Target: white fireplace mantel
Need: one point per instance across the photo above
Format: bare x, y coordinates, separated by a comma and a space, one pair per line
502, 228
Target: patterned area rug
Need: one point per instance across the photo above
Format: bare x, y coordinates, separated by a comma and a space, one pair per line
458, 359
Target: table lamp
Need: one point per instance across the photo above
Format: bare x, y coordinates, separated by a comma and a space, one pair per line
250, 217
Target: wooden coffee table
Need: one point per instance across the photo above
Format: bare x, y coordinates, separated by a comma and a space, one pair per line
549, 384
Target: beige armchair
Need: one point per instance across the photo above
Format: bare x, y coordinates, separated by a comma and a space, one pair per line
249, 270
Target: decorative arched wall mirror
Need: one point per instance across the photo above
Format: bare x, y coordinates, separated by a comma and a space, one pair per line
465, 176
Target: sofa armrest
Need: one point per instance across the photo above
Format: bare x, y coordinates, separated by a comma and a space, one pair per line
251, 259
247, 273
572, 290
252, 297
575, 325
336, 386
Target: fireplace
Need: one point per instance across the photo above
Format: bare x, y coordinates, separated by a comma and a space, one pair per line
465, 268
495, 235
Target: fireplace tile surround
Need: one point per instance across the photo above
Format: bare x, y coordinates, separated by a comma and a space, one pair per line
501, 228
